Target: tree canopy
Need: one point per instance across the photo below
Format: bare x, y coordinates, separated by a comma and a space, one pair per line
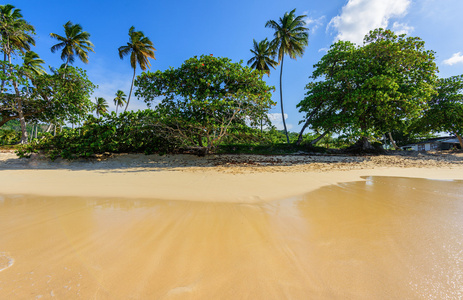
445, 112
372, 89
206, 98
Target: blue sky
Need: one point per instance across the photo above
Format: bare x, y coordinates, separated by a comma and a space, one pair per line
181, 29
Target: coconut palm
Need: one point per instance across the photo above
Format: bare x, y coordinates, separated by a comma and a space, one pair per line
16, 34
75, 42
101, 106
120, 99
263, 56
140, 49
290, 38
33, 63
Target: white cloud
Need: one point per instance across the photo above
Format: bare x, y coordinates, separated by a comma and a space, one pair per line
313, 23
276, 120
358, 17
400, 28
457, 58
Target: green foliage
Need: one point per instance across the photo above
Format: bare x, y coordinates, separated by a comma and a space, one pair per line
62, 96
291, 36
140, 48
75, 42
9, 136
206, 99
128, 132
445, 113
369, 90
262, 59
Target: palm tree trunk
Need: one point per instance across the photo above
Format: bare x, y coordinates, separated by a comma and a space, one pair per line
281, 101
130, 93
4, 72
19, 106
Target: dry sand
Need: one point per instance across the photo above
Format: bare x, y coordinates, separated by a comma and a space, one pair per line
221, 178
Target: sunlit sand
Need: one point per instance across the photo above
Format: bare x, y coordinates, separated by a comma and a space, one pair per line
140, 230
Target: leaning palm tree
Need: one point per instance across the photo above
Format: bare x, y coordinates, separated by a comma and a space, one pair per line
75, 42
33, 64
120, 99
291, 37
101, 106
263, 56
140, 49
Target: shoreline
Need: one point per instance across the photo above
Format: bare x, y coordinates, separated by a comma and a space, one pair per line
221, 178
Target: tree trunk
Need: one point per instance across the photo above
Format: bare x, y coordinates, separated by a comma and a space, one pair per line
281, 101
299, 139
131, 87
393, 142
460, 139
4, 72
19, 106
49, 127
318, 138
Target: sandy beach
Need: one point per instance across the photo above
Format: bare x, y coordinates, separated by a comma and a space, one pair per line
239, 227
221, 178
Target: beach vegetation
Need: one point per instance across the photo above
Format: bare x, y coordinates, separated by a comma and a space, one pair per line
101, 106
140, 49
291, 36
206, 99
263, 56
445, 109
120, 99
370, 90
75, 42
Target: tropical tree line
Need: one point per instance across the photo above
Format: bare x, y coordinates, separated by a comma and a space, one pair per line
29, 93
386, 87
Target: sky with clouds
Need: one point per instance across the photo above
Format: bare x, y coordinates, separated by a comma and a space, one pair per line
181, 29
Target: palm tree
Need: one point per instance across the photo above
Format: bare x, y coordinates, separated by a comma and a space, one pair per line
263, 57
140, 49
120, 99
75, 42
291, 37
16, 34
101, 106
33, 63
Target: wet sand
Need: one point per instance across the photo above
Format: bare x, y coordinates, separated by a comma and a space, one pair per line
378, 238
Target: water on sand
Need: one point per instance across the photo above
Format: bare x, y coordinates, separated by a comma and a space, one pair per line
383, 238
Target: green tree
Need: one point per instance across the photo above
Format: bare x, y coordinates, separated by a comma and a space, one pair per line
16, 35
101, 106
55, 98
290, 38
206, 99
74, 42
120, 99
372, 89
263, 56
140, 49
445, 112
33, 63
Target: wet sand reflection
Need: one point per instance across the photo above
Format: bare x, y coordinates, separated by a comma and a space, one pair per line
383, 238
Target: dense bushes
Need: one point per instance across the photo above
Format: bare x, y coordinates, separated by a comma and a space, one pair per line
128, 132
